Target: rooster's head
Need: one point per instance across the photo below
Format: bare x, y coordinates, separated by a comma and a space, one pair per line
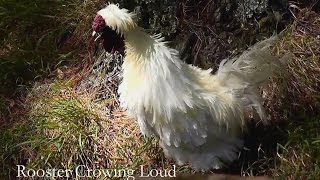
111, 24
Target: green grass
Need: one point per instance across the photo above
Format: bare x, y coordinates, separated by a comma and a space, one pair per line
300, 157
33, 45
9, 153
28, 42
34, 36
64, 129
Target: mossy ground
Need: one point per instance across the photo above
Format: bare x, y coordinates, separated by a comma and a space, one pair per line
46, 122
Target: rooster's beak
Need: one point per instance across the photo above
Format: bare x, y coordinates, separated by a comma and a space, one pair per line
94, 33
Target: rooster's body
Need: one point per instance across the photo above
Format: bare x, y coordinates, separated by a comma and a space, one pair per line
198, 117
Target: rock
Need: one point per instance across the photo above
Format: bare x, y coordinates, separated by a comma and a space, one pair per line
247, 8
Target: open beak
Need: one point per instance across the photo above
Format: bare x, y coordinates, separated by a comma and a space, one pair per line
97, 34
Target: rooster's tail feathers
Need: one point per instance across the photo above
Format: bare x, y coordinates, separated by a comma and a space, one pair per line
253, 67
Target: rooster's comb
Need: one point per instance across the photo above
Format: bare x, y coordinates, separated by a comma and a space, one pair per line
98, 24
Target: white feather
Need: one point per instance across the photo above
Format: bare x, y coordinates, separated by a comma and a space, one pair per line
198, 117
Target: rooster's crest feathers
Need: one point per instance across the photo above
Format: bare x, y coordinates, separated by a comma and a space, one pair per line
117, 19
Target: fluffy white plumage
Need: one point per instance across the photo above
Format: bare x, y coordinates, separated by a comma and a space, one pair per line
198, 117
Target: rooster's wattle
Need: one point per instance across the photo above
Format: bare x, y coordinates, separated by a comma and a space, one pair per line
198, 117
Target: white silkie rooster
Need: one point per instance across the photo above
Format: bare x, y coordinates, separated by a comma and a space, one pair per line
198, 117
